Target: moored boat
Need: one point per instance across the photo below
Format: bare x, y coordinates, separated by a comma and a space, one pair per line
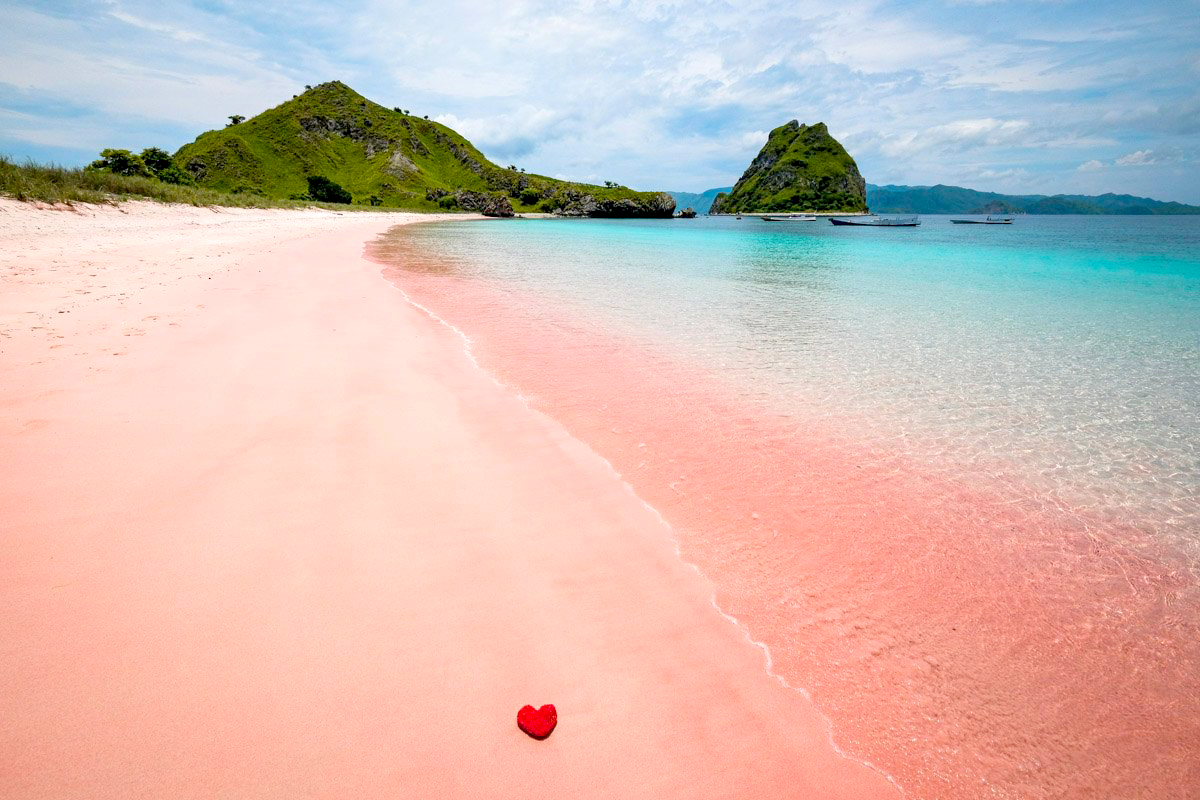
992, 219
878, 222
788, 218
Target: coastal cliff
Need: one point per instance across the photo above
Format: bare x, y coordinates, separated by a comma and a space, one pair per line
800, 168
381, 156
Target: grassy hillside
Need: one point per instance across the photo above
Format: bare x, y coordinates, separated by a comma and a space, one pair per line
53, 184
800, 168
384, 157
942, 199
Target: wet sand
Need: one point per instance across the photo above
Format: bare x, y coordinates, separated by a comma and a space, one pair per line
966, 639
269, 532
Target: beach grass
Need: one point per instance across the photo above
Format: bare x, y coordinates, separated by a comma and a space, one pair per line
49, 183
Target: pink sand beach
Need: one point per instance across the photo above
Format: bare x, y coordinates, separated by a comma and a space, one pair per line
967, 643
269, 532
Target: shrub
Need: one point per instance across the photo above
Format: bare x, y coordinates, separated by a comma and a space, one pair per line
173, 174
120, 162
375, 200
156, 159
529, 196
324, 190
448, 202
156, 163
54, 184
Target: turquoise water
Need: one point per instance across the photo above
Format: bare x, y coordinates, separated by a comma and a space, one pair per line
1064, 349
949, 476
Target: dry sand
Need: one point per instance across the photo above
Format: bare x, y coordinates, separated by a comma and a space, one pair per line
267, 532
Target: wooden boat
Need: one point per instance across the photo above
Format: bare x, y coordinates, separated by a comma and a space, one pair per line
788, 218
991, 220
878, 222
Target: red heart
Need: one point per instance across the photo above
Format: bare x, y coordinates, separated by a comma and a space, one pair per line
538, 723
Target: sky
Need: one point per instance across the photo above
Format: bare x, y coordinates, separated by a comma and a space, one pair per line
1015, 96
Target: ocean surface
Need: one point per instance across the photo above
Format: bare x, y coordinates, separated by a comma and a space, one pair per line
949, 476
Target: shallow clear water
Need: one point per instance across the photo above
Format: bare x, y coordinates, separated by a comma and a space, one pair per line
1068, 344
871, 438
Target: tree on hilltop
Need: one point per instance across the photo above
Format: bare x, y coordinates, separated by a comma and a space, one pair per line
235, 119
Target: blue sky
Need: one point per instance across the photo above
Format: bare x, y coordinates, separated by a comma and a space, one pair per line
1044, 96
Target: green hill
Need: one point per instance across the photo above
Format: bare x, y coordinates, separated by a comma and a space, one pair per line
385, 157
942, 199
800, 168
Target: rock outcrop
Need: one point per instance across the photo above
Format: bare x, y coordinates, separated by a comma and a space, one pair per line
577, 203
489, 205
800, 168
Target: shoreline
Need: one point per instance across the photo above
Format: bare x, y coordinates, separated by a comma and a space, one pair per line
265, 521
673, 536
854, 565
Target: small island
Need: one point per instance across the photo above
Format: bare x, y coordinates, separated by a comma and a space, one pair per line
800, 168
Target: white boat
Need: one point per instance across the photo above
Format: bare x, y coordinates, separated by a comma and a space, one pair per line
788, 218
992, 219
872, 221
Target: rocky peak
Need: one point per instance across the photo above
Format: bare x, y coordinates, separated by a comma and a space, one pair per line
800, 168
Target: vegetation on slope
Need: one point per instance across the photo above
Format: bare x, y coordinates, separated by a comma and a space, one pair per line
53, 184
943, 199
384, 157
800, 168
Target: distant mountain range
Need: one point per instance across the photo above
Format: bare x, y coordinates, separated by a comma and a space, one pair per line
942, 199
700, 202
957, 200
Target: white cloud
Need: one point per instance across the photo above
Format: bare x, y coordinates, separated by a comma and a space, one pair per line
1090, 166
509, 135
754, 139
179, 34
650, 94
959, 135
153, 74
1138, 158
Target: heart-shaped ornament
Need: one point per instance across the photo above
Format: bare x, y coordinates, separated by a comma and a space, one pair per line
537, 722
